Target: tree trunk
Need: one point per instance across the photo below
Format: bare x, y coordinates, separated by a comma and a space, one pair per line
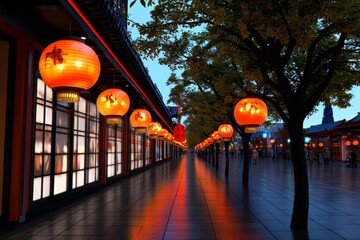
246, 151
299, 220
226, 158
212, 155
217, 146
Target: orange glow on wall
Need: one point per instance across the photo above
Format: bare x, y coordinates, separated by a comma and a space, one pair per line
250, 113
113, 103
225, 131
67, 67
153, 129
140, 120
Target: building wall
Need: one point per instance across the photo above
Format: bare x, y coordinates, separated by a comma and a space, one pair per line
51, 151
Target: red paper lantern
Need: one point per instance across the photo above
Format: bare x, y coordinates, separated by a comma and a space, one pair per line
113, 103
250, 113
179, 132
225, 131
67, 67
140, 120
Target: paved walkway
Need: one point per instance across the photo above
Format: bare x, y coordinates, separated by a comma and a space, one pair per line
189, 199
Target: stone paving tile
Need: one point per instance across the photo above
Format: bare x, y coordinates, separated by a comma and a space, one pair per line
190, 199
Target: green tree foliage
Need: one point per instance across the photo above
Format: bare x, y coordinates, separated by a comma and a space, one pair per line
292, 54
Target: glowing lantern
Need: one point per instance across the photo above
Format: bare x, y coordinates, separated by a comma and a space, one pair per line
162, 133
250, 113
272, 141
225, 131
355, 142
321, 144
113, 103
210, 140
313, 145
68, 66
153, 129
216, 136
170, 138
348, 143
140, 120
179, 132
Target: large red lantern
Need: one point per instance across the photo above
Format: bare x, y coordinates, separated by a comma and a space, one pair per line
67, 67
140, 120
225, 131
113, 103
153, 129
179, 132
250, 113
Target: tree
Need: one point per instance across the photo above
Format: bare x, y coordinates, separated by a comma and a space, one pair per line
292, 54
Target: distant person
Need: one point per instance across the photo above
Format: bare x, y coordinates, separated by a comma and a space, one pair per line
353, 159
254, 155
326, 157
306, 154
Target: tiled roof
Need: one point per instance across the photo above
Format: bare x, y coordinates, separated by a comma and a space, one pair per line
323, 127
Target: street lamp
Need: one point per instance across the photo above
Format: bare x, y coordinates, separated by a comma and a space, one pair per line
250, 113
226, 131
216, 137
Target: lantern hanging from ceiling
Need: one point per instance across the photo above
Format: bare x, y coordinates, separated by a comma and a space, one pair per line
179, 132
162, 133
153, 129
170, 138
67, 67
225, 131
250, 113
113, 103
140, 120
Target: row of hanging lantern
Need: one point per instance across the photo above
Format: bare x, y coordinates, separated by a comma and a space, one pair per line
224, 132
248, 112
70, 66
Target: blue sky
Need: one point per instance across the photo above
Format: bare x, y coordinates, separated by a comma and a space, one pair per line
159, 74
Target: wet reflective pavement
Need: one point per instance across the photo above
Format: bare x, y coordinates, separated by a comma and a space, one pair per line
190, 199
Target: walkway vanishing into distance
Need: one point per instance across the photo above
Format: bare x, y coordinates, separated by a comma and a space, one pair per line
189, 199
